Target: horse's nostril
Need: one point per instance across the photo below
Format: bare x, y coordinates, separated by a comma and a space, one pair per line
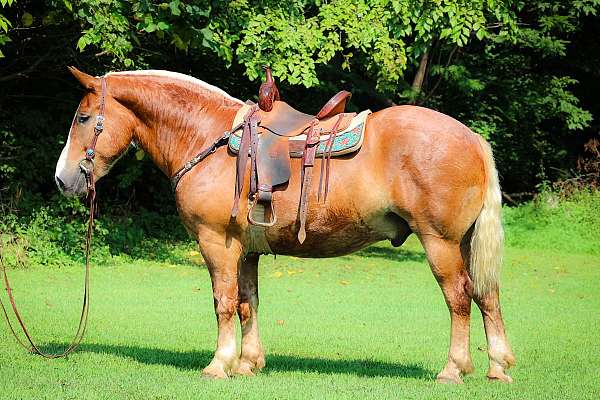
59, 183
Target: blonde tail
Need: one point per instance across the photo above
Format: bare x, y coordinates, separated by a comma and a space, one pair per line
488, 236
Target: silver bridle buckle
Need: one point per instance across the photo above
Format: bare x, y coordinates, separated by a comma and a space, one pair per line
99, 123
86, 166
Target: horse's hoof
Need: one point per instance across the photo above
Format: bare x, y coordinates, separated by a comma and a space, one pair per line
498, 364
510, 360
214, 372
497, 376
449, 379
260, 363
243, 369
467, 367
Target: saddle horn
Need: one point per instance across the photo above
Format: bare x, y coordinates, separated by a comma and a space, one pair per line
268, 92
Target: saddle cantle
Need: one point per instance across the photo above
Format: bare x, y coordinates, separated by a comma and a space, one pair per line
272, 132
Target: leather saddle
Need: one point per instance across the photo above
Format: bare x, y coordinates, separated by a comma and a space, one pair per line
267, 128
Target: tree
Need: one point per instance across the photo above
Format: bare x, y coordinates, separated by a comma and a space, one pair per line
504, 67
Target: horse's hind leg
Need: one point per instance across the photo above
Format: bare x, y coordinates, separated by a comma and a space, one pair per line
448, 267
499, 351
252, 357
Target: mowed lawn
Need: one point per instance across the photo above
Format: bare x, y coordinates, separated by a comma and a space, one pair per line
371, 325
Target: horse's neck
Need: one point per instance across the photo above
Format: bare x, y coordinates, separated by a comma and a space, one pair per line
176, 120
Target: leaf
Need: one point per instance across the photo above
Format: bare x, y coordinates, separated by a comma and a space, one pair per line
81, 43
163, 26
178, 42
4, 23
174, 6
68, 5
207, 36
27, 19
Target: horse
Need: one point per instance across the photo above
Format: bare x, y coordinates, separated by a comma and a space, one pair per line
418, 172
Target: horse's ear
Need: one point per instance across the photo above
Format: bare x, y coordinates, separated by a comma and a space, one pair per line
87, 81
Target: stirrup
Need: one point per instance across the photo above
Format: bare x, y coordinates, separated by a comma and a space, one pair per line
268, 224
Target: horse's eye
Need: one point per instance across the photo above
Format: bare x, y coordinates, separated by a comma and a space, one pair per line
83, 118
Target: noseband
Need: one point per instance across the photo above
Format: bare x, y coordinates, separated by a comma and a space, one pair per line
87, 168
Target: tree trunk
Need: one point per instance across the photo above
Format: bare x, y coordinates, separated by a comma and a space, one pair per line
417, 84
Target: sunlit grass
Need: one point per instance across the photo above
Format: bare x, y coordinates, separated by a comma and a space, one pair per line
371, 325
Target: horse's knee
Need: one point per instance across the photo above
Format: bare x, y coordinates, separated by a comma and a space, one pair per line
225, 306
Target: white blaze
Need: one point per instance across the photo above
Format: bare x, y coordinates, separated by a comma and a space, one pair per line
62, 161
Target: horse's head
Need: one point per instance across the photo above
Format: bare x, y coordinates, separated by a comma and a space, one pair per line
112, 142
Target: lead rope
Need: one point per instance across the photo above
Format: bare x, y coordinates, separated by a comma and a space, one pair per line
33, 348
87, 167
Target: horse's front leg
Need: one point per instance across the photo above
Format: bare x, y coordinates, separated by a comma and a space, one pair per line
222, 256
253, 357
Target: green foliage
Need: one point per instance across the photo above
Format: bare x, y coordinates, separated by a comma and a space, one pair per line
382, 36
117, 27
571, 225
514, 94
522, 74
54, 236
5, 24
562, 103
109, 30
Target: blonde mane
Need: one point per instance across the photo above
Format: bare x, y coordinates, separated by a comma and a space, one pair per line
180, 77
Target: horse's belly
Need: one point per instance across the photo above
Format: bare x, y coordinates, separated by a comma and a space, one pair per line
326, 237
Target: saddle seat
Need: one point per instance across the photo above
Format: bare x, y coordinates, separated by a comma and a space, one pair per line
284, 120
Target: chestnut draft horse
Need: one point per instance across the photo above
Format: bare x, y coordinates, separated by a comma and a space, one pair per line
418, 171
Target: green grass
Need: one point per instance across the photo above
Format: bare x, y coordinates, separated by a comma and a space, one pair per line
554, 222
371, 325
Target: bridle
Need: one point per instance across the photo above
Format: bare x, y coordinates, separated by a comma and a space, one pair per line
87, 168
87, 164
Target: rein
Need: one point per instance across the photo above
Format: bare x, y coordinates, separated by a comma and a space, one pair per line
87, 167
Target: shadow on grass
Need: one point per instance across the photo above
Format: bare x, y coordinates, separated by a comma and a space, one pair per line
390, 253
196, 360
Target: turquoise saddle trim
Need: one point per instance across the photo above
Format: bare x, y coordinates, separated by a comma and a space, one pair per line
343, 141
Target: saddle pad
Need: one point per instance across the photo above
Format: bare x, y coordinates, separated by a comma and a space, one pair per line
345, 142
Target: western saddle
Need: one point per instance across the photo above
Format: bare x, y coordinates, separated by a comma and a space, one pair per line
266, 130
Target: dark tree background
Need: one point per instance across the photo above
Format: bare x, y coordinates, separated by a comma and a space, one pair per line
523, 74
